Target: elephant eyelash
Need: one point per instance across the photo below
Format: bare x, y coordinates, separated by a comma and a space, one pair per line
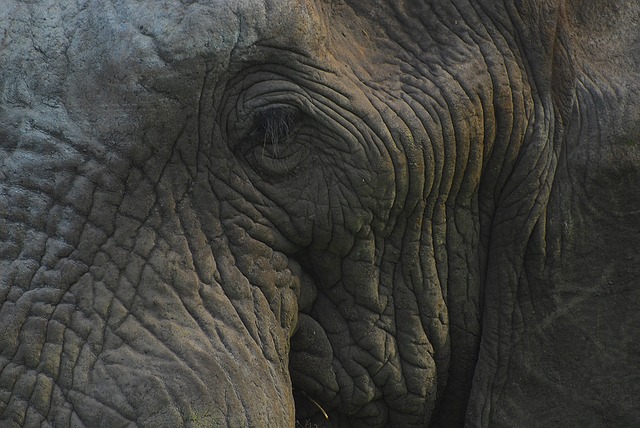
273, 127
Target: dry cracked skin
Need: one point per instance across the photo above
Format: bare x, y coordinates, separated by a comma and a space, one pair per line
319, 213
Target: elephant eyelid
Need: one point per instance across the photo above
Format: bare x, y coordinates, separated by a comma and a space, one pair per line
275, 142
276, 123
274, 126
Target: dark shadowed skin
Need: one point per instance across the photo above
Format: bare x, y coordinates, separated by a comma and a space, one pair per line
249, 213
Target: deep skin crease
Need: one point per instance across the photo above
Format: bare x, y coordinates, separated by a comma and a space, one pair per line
319, 213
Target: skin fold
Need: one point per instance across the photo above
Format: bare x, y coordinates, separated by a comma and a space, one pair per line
319, 213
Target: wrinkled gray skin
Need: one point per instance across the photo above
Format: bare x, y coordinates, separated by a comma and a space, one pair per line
418, 213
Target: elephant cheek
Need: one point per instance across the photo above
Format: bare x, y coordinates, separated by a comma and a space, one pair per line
218, 361
236, 388
105, 355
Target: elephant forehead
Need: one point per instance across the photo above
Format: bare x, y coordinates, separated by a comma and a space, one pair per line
181, 30
146, 35
169, 29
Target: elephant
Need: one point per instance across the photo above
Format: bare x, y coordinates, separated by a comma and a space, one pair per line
279, 213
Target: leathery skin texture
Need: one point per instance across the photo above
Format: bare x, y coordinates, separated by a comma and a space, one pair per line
319, 213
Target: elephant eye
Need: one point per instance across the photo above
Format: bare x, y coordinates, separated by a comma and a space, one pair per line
274, 147
275, 128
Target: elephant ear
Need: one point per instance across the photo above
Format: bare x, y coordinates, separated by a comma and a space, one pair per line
606, 36
583, 62
545, 42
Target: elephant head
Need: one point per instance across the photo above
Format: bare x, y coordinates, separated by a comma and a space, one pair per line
276, 212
